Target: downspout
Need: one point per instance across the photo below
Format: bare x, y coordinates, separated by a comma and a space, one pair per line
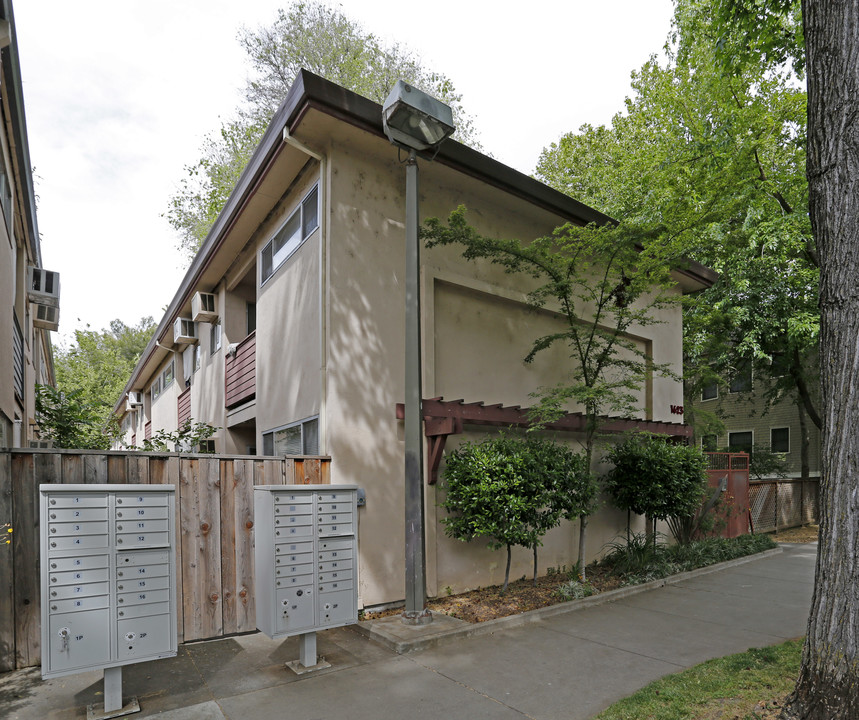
323, 286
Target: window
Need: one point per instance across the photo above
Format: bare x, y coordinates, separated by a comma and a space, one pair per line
741, 441
206, 446
780, 440
709, 443
742, 380
301, 438
291, 235
710, 391
215, 338
780, 365
162, 381
197, 356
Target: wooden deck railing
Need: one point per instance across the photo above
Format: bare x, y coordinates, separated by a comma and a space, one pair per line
241, 372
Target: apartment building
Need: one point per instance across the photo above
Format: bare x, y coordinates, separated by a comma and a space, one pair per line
29, 294
287, 332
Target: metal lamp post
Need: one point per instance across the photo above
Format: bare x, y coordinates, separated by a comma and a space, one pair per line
416, 122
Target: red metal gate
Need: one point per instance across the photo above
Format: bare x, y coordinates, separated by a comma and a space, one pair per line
730, 472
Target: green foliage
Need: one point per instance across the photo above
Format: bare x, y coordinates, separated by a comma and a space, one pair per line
513, 490
318, 38
91, 374
636, 559
574, 590
603, 283
186, 439
68, 420
763, 462
654, 478
712, 164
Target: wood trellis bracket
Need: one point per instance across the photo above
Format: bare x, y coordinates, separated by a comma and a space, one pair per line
447, 417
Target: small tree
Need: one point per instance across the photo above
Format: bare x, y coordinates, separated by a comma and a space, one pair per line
67, 420
657, 479
604, 283
514, 490
185, 439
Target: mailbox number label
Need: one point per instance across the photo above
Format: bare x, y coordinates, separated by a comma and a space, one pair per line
77, 513
141, 512
142, 596
141, 570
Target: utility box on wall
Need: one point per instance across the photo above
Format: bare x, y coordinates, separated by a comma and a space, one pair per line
108, 576
306, 557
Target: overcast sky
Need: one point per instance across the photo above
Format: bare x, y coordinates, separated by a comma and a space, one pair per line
119, 95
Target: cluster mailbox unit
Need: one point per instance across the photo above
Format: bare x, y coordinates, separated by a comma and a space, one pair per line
108, 577
306, 559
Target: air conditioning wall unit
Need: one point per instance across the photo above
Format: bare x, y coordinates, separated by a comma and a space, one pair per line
134, 400
184, 331
43, 286
47, 317
204, 307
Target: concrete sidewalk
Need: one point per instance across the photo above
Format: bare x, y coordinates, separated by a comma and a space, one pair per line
564, 664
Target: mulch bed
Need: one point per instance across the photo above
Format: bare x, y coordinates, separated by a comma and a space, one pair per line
522, 595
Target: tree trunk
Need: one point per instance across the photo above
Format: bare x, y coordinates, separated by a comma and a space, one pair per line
507, 571
535, 566
580, 562
829, 676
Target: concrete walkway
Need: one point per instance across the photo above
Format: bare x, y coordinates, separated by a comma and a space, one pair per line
569, 664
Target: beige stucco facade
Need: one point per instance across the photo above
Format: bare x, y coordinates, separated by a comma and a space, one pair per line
329, 329
26, 358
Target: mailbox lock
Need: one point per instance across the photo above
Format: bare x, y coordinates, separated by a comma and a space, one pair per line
119, 587
53, 578
118, 513
121, 600
121, 613
53, 501
53, 593
53, 566
129, 636
53, 529
53, 516
119, 573
119, 527
53, 607
64, 635
299, 593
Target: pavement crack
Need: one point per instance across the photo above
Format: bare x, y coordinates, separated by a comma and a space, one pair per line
470, 689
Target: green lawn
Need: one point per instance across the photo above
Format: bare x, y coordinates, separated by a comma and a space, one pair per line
727, 688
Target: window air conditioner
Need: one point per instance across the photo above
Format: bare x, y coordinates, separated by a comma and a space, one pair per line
43, 286
135, 399
204, 307
47, 317
184, 331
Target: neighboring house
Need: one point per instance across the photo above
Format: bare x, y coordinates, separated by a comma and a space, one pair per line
287, 330
29, 295
750, 422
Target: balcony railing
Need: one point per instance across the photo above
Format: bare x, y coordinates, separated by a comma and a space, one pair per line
241, 372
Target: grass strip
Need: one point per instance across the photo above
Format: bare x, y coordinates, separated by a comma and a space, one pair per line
747, 686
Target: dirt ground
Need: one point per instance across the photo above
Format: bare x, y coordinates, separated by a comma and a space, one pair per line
804, 534
522, 595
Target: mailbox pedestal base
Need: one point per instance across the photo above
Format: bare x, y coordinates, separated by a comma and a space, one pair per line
307, 661
112, 706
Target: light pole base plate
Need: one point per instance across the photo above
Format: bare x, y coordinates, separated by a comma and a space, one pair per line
416, 617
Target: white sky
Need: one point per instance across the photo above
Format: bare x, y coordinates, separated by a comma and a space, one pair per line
119, 95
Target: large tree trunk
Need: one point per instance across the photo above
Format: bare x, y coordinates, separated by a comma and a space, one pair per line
828, 685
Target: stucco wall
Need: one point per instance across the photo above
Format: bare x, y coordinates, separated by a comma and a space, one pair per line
473, 342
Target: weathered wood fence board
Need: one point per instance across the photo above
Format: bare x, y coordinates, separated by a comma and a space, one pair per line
7, 572
214, 533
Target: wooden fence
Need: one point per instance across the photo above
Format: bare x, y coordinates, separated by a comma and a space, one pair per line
214, 542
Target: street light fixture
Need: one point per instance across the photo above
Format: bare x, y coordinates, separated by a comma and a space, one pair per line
417, 122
